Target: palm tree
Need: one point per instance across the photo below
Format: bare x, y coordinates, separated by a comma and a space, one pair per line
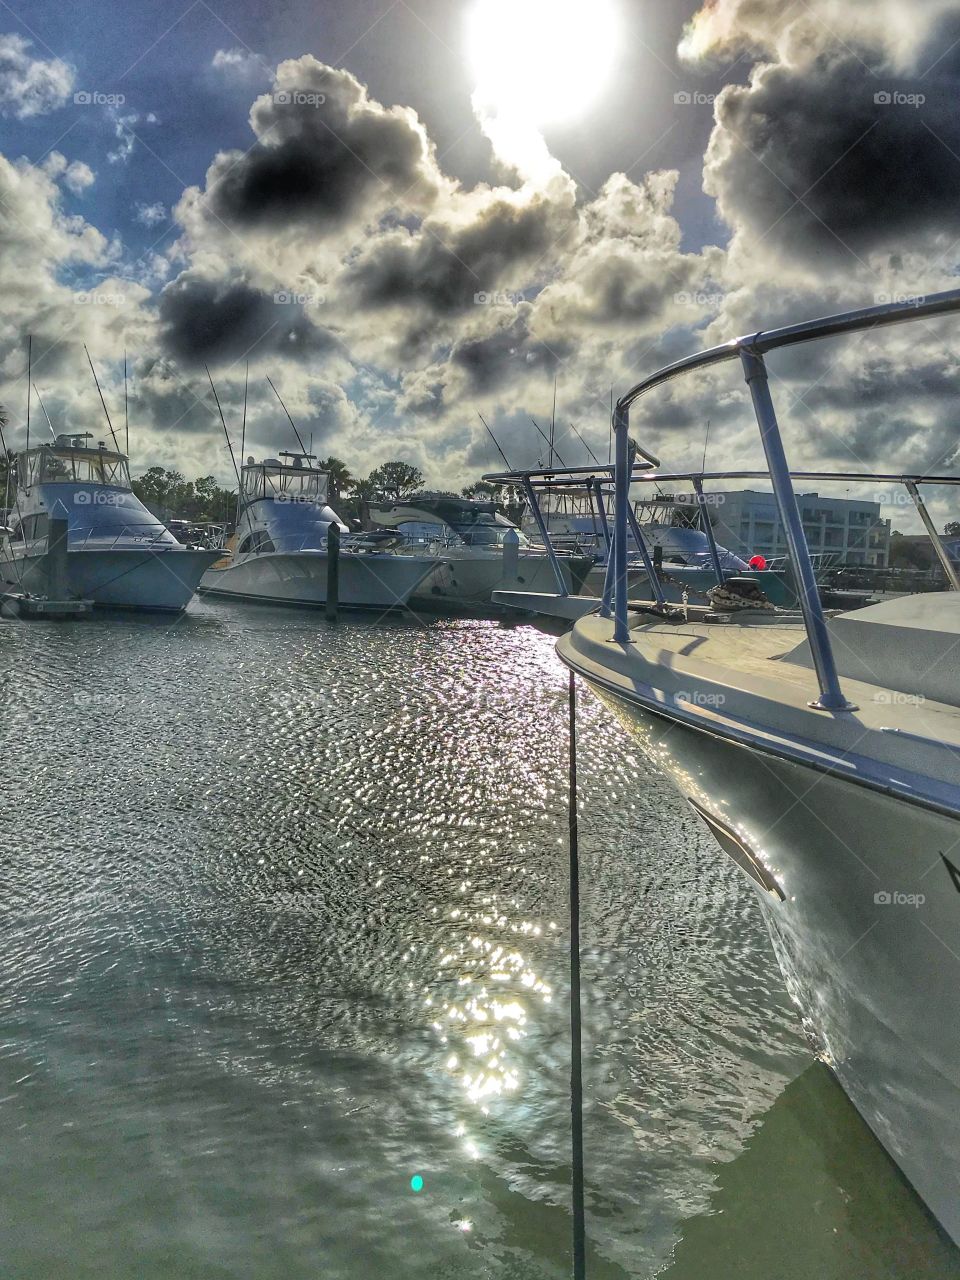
340, 477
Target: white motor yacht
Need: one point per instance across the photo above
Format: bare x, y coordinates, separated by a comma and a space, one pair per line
823, 753
279, 551
119, 555
477, 551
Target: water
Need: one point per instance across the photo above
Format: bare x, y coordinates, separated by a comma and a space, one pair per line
283, 928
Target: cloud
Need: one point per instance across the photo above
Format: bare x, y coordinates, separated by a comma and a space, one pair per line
224, 321
240, 64
151, 215
31, 86
325, 153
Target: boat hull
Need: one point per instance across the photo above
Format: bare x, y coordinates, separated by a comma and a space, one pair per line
867, 933
157, 580
471, 579
300, 578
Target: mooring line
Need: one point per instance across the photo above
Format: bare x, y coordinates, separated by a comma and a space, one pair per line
576, 1068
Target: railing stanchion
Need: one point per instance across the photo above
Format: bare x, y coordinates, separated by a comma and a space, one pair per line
656, 586
949, 568
545, 535
621, 428
707, 528
831, 695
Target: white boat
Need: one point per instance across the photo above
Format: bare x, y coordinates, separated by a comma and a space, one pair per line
476, 551
279, 551
119, 555
824, 755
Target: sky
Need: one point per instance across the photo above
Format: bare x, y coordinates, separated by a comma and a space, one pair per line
410, 212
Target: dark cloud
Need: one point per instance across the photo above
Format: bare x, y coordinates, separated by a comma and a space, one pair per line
208, 321
325, 150
446, 269
510, 351
836, 158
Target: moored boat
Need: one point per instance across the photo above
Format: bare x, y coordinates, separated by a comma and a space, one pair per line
119, 555
279, 551
823, 753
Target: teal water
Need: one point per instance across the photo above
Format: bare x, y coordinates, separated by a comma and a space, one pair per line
282, 928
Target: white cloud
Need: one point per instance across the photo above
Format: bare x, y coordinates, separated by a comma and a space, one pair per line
240, 64
151, 215
31, 86
78, 176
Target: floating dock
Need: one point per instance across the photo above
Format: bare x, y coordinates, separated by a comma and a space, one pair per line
19, 604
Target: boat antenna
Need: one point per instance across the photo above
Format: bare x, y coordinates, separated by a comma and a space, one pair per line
610, 430
584, 443
303, 448
29, 381
553, 421
126, 408
554, 453
243, 443
703, 464
45, 414
495, 441
224, 422
106, 411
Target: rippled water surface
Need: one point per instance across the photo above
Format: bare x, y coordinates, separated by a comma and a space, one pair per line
283, 927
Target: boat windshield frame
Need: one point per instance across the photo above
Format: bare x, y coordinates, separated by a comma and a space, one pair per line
262, 481
61, 464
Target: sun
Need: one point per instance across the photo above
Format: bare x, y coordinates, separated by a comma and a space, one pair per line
541, 62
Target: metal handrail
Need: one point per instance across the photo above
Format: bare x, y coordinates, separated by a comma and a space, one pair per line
750, 350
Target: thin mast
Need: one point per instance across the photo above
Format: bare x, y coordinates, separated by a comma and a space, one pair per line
29, 381
290, 420
553, 421
495, 441
106, 411
553, 451
225, 431
243, 445
585, 445
45, 414
126, 409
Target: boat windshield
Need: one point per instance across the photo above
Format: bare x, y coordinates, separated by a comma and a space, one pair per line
481, 534
291, 484
74, 466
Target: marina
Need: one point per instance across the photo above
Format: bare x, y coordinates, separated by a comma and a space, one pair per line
480, 640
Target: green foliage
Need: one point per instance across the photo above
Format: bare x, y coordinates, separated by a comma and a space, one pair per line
396, 480
169, 493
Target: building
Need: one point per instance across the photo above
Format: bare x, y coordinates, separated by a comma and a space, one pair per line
847, 530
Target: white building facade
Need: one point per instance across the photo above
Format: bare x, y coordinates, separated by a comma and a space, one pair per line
847, 530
